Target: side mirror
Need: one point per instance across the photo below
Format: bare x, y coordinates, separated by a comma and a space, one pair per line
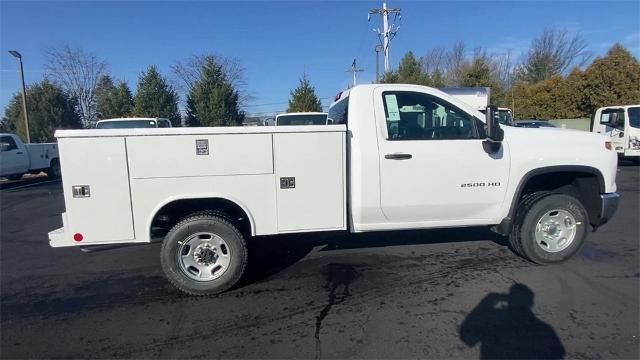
494, 132
4, 146
329, 121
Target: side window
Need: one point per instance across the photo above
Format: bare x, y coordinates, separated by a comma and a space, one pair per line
163, 123
613, 117
339, 112
7, 143
619, 119
419, 116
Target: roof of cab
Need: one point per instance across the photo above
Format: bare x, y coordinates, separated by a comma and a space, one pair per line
131, 119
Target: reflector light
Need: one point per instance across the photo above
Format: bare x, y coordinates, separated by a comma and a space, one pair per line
338, 96
77, 237
608, 145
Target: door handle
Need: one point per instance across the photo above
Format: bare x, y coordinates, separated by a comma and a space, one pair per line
398, 156
19, 153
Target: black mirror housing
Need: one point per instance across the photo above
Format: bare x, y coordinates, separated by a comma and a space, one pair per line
494, 131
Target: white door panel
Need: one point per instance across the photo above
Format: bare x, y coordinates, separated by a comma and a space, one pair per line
433, 179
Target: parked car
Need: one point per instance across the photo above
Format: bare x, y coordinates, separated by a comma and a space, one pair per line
534, 123
622, 123
17, 158
128, 123
397, 157
302, 118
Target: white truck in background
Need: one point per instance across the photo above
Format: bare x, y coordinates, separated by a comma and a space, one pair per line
622, 124
134, 122
397, 157
301, 118
479, 98
17, 158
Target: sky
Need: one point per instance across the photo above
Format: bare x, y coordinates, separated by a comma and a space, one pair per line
279, 41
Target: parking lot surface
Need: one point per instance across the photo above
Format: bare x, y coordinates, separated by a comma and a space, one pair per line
440, 293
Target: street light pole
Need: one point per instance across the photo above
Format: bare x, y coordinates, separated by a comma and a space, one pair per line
18, 56
378, 48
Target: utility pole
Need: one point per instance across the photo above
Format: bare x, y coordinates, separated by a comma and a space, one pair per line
378, 48
389, 31
18, 56
354, 69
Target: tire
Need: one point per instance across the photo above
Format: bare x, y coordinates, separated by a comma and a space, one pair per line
54, 171
550, 228
204, 254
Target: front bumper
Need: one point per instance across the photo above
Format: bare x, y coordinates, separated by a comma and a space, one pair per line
608, 207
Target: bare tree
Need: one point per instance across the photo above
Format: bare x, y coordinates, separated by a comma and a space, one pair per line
553, 53
434, 60
456, 62
189, 71
77, 72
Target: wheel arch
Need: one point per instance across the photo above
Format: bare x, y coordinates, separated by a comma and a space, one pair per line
584, 182
177, 207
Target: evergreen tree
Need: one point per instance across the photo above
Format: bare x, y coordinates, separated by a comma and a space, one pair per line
103, 91
113, 101
213, 101
49, 108
156, 98
409, 72
190, 118
303, 98
479, 73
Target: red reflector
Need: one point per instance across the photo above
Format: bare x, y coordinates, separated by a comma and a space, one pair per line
338, 96
608, 145
77, 237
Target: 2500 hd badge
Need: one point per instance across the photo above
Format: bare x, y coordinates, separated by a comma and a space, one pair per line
480, 184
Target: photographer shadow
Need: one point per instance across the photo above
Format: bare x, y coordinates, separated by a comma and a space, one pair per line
506, 328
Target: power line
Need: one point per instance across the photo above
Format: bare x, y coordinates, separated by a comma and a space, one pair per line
389, 31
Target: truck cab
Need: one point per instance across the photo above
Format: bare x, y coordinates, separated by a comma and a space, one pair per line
622, 124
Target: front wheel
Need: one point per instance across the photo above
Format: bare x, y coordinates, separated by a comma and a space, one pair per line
550, 228
204, 254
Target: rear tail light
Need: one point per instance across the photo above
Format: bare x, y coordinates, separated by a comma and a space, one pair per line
608, 145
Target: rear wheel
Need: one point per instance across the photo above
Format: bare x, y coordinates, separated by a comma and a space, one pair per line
204, 254
54, 171
550, 228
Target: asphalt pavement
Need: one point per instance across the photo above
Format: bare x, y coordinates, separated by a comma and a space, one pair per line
414, 294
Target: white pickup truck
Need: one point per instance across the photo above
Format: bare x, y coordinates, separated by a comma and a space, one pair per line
17, 158
397, 157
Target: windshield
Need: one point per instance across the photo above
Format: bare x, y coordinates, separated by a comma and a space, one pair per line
634, 117
318, 119
128, 124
